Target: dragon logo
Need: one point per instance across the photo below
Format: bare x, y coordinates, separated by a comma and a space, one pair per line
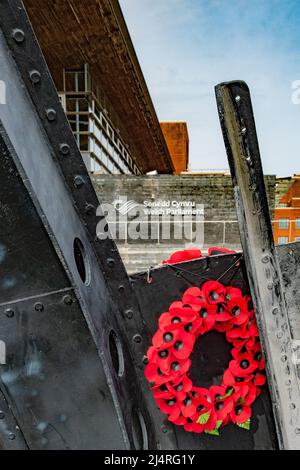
124, 207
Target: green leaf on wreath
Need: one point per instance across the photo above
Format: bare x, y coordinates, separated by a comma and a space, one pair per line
219, 422
203, 418
214, 432
230, 392
245, 425
241, 400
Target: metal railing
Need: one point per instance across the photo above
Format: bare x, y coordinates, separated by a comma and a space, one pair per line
205, 232
219, 232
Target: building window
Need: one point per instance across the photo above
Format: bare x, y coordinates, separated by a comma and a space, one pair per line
93, 131
283, 240
297, 223
283, 223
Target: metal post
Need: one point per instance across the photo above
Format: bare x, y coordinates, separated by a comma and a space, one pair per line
265, 279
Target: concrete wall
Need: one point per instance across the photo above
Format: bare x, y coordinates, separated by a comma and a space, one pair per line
214, 192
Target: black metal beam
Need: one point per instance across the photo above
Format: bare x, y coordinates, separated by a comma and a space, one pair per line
262, 263
39, 142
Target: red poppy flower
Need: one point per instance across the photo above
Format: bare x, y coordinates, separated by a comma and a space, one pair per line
189, 406
243, 367
223, 402
183, 317
169, 351
184, 255
232, 292
193, 426
164, 339
257, 355
154, 375
223, 315
162, 392
179, 421
248, 330
169, 406
207, 313
214, 292
194, 292
240, 413
238, 308
178, 368
259, 380
232, 380
242, 407
180, 387
163, 358
175, 318
243, 344
184, 345
203, 402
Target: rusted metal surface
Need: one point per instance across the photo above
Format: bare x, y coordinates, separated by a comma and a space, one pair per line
262, 263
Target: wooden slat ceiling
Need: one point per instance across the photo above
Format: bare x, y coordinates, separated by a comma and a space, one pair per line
74, 32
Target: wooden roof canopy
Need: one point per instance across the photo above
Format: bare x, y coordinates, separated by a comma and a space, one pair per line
74, 32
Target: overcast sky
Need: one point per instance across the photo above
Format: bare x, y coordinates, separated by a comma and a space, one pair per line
185, 47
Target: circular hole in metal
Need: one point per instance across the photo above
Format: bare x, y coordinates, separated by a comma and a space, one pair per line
139, 431
82, 263
116, 353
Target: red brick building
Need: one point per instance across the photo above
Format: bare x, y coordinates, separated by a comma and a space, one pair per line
287, 214
177, 138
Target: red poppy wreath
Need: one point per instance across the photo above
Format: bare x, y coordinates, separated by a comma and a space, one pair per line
198, 409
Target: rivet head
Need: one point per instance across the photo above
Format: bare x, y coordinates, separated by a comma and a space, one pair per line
137, 338
270, 285
51, 114
238, 98
11, 436
129, 314
121, 289
145, 360
275, 311
39, 307
18, 35
164, 429
292, 406
110, 262
283, 358
279, 334
35, 76
78, 181
297, 430
90, 209
64, 149
9, 313
266, 259
68, 300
